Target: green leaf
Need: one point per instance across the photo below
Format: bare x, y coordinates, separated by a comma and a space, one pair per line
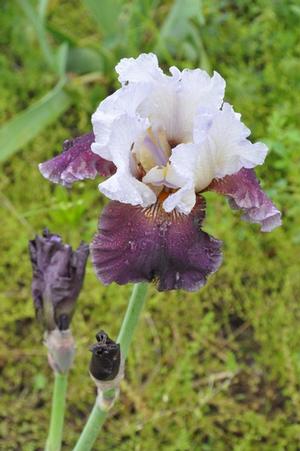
106, 14
177, 24
38, 24
61, 35
84, 60
16, 133
62, 57
42, 7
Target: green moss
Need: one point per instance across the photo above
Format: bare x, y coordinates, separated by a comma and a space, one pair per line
214, 370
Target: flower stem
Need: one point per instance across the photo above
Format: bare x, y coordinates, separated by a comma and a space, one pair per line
130, 321
132, 315
57, 412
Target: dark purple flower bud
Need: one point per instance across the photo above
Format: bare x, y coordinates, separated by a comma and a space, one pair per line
244, 193
106, 358
76, 162
136, 244
58, 274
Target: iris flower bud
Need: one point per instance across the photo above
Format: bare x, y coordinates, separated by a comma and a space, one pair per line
58, 274
106, 369
106, 358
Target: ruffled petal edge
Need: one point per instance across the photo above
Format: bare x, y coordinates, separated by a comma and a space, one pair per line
244, 193
76, 162
137, 244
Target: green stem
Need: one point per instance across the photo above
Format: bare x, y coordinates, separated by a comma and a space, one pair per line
97, 416
132, 315
57, 412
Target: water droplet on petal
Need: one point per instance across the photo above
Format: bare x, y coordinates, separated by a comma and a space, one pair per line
132, 245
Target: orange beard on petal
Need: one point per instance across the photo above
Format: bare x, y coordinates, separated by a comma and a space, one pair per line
156, 211
163, 196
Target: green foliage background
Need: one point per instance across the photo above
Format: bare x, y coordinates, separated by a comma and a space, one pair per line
215, 370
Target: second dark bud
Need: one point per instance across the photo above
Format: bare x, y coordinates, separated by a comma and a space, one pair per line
106, 358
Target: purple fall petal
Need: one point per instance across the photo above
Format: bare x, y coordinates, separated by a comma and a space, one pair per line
76, 162
245, 193
143, 244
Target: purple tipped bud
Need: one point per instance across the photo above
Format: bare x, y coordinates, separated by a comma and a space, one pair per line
106, 358
58, 274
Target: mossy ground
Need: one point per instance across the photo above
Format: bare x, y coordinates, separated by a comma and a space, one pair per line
216, 370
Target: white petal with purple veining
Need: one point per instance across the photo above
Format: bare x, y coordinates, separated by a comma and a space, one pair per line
197, 90
105, 119
123, 186
126, 131
220, 148
161, 107
227, 145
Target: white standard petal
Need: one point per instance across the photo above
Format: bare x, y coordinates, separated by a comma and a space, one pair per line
161, 107
220, 149
226, 149
142, 69
102, 128
123, 187
126, 99
126, 131
197, 90
105, 119
159, 103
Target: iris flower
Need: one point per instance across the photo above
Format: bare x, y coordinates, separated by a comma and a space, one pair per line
163, 140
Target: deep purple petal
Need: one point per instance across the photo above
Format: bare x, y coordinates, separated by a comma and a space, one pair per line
58, 274
245, 193
136, 244
76, 162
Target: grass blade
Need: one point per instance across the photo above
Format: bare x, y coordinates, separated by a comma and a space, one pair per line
177, 27
38, 24
106, 14
42, 8
84, 60
27, 124
62, 58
